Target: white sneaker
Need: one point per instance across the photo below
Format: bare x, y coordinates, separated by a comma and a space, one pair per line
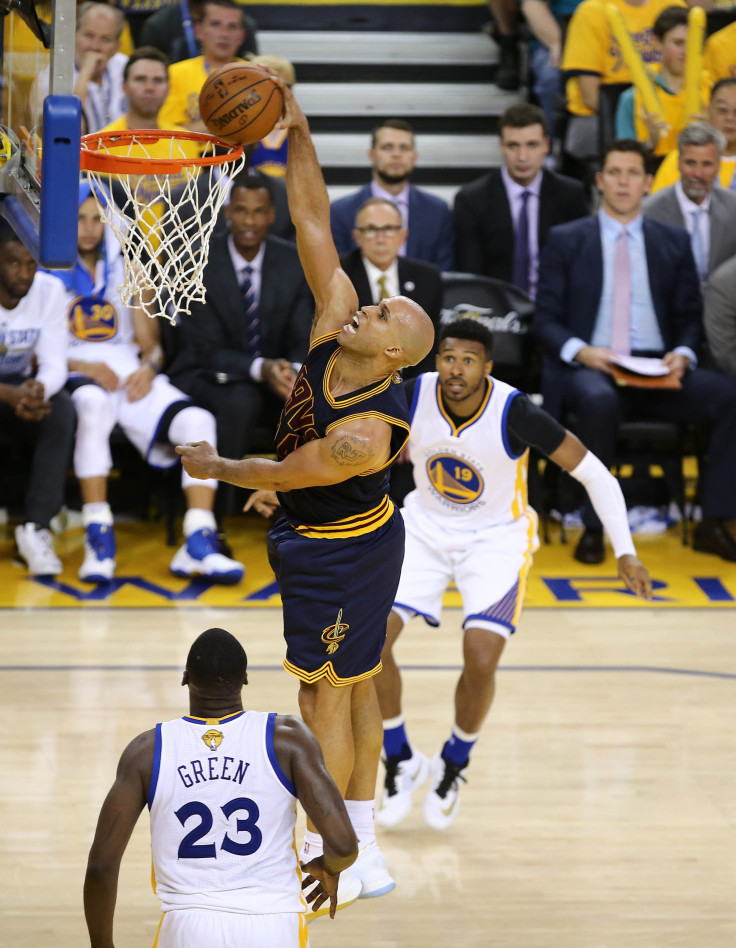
99, 554
403, 777
36, 547
199, 556
370, 867
442, 802
349, 888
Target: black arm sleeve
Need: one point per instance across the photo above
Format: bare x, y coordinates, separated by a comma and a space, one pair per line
530, 426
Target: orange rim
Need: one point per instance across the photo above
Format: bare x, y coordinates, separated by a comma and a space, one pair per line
92, 159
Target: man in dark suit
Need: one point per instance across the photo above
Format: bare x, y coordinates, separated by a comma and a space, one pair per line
502, 218
428, 219
696, 202
237, 354
377, 271
616, 283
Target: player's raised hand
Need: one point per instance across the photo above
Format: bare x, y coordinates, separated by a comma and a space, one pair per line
635, 575
199, 459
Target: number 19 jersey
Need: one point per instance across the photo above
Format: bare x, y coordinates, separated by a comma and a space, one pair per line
222, 817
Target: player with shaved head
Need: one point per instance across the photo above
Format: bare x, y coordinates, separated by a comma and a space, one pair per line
338, 549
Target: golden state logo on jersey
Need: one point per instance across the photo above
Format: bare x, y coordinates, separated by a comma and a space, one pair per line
212, 739
92, 319
334, 634
454, 478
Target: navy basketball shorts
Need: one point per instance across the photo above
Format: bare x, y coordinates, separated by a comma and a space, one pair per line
336, 595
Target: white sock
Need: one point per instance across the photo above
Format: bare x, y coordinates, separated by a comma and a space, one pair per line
97, 513
312, 847
196, 518
362, 816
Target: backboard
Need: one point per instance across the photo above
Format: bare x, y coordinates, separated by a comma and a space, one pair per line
40, 137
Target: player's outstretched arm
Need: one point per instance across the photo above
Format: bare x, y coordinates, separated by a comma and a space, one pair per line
355, 447
608, 502
300, 757
118, 817
309, 206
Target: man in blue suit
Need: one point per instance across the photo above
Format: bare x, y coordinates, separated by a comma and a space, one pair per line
616, 283
393, 156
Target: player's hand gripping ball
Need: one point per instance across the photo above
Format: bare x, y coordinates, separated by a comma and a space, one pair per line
240, 103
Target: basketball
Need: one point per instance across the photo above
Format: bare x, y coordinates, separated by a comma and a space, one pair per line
240, 103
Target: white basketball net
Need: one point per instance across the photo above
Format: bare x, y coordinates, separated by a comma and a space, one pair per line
163, 220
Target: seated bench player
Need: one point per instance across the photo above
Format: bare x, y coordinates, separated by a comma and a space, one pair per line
114, 378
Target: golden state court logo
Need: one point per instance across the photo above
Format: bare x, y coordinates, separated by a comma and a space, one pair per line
334, 634
92, 319
212, 739
454, 479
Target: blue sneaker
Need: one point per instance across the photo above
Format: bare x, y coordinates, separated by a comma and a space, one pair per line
200, 556
99, 554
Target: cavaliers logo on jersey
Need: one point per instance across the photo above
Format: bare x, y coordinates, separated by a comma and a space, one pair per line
212, 739
454, 479
334, 634
92, 319
296, 426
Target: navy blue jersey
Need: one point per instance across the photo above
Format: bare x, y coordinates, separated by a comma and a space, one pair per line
359, 504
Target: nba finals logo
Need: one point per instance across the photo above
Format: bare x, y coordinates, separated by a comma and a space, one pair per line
212, 739
334, 634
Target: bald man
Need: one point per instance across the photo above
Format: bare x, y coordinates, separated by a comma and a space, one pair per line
338, 549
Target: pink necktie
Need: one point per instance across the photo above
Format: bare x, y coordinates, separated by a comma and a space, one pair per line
621, 321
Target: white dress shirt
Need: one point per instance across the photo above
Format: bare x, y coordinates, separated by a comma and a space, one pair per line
689, 210
374, 275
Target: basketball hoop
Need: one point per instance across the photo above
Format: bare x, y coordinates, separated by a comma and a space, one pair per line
161, 192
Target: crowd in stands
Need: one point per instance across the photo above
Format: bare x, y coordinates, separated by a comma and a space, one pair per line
598, 198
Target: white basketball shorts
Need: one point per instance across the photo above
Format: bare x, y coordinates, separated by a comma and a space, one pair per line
488, 566
203, 928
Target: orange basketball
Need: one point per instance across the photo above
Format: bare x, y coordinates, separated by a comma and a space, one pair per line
240, 103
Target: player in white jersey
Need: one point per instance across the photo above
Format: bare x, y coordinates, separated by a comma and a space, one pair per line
468, 521
114, 365
221, 785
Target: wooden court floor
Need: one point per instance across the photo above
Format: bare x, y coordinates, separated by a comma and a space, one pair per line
600, 809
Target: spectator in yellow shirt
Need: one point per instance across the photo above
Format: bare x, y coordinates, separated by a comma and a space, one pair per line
721, 114
632, 120
592, 58
719, 57
221, 32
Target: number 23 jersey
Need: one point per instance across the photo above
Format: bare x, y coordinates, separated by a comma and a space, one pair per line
222, 817
467, 476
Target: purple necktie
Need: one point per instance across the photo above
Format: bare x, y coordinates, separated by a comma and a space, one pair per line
621, 320
520, 259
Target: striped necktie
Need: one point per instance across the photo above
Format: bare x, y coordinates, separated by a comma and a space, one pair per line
382, 288
252, 322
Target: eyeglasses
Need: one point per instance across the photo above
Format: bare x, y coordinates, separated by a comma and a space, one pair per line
372, 232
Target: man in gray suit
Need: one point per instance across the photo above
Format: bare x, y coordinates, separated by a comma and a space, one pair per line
238, 353
719, 316
696, 202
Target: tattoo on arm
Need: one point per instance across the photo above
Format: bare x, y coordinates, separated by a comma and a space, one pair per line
351, 451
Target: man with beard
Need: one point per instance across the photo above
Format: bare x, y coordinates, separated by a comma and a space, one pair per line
35, 411
696, 202
468, 521
393, 157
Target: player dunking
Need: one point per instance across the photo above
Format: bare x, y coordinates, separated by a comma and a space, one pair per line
221, 785
337, 554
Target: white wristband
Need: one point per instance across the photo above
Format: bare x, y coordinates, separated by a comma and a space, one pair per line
608, 502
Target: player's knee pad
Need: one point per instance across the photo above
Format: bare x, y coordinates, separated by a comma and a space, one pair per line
193, 424
95, 420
